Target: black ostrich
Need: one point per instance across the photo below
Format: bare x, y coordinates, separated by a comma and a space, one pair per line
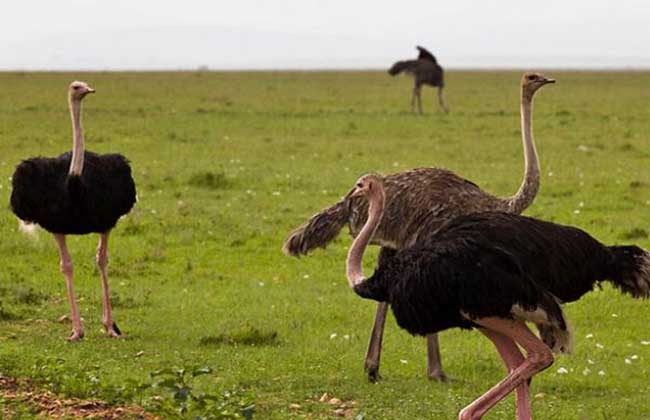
494, 272
76, 193
426, 71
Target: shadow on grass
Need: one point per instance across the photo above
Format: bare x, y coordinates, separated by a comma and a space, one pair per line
246, 335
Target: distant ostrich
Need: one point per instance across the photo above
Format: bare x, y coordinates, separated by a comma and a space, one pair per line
419, 202
425, 71
76, 193
494, 272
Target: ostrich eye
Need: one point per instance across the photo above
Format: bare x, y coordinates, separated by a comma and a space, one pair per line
359, 185
532, 77
76, 88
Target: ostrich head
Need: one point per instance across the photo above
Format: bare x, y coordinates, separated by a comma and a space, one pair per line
78, 90
369, 186
530, 82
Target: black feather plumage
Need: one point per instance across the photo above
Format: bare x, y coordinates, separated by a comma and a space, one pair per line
44, 193
482, 265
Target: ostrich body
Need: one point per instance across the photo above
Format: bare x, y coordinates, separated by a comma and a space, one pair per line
425, 71
418, 202
494, 272
78, 192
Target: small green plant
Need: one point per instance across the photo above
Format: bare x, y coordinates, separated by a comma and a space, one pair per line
187, 402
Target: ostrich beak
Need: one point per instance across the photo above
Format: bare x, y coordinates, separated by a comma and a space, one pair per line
91, 90
354, 192
547, 80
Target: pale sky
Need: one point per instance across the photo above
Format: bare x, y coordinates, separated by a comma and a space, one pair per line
320, 34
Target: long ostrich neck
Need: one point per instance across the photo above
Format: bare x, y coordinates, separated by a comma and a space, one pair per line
77, 162
354, 271
530, 185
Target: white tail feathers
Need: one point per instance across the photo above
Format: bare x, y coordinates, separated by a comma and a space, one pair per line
29, 229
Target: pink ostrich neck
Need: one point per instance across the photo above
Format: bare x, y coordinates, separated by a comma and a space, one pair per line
530, 185
355, 255
77, 161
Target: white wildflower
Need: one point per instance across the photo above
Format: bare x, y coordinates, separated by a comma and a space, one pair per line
634, 357
589, 336
591, 362
600, 346
645, 343
403, 361
628, 361
601, 373
586, 371
562, 371
333, 336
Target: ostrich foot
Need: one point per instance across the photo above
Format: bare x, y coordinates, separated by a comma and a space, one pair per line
439, 376
76, 336
373, 374
113, 330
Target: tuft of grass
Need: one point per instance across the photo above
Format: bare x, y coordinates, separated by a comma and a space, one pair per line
28, 295
634, 234
6, 315
247, 335
209, 180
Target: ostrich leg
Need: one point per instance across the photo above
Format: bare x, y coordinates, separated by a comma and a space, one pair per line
512, 358
66, 269
538, 358
434, 365
441, 100
419, 93
373, 355
413, 98
102, 262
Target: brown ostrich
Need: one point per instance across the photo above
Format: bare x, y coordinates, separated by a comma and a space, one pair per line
425, 71
418, 202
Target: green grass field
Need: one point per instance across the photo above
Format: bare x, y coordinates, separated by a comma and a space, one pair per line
227, 163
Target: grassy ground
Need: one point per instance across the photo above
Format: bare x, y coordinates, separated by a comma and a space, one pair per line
227, 163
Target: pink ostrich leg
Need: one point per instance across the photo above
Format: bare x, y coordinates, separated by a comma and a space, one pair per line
102, 263
512, 358
66, 269
538, 358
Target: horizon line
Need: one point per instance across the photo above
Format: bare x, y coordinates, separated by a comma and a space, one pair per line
208, 69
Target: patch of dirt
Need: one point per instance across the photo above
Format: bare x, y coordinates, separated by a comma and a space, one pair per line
51, 406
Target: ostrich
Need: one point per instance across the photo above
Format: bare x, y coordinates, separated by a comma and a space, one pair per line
494, 272
76, 193
418, 202
426, 71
